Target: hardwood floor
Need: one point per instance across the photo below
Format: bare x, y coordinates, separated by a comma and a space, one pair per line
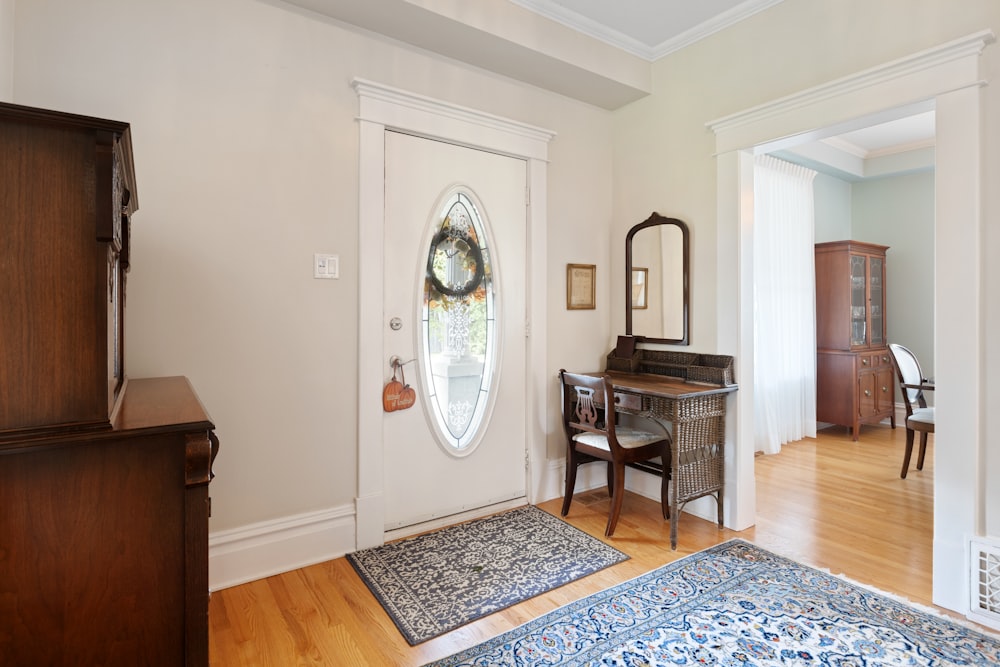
830, 502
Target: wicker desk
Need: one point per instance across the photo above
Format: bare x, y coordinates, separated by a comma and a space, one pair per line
697, 418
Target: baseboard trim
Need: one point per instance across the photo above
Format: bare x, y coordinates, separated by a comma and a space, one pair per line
637, 481
267, 548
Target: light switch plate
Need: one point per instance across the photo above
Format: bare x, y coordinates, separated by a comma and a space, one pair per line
326, 267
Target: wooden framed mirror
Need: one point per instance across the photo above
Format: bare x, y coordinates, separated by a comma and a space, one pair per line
660, 246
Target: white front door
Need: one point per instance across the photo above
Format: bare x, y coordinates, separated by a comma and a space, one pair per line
429, 473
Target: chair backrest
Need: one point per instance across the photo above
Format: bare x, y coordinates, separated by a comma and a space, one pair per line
908, 371
584, 402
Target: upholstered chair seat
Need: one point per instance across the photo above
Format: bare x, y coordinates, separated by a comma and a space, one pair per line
628, 438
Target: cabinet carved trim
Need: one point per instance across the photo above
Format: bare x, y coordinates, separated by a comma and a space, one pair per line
67, 191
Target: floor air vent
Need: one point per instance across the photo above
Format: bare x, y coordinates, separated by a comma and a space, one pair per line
985, 580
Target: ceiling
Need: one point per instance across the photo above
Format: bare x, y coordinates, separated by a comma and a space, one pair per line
654, 28
601, 52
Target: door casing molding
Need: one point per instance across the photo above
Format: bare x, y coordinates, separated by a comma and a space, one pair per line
383, 108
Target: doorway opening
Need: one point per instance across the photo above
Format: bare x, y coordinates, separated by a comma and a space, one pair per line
949, 76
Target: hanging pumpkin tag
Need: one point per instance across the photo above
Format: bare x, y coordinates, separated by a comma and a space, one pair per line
391, 392
407, 396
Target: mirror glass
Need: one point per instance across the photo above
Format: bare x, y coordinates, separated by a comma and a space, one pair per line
656, 269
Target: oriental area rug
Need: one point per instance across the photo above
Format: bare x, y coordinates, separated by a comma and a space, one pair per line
433, 583
736, 605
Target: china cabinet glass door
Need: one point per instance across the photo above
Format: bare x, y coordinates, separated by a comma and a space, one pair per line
859, 300
867, 301
876, 307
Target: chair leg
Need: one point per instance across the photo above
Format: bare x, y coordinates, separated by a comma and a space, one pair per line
923, 450
909, 450
611, 479
664, 494
616, 500
571, 466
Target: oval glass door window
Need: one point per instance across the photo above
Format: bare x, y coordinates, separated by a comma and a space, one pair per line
459, 339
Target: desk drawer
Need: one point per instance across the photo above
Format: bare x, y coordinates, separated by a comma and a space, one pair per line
626, 401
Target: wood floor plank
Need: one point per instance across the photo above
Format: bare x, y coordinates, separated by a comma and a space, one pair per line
829, 502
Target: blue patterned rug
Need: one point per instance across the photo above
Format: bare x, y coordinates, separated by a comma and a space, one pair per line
735, 605
433, 583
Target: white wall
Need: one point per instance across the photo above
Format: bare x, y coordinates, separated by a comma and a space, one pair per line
833, 208
898, 211
246, 152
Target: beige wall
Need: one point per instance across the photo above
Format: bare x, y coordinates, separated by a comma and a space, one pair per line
6, 50
246, 151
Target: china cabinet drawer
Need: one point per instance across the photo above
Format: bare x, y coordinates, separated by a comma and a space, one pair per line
879, 360
882, 360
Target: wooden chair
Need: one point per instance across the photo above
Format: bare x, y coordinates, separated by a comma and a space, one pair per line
919, 417
592, 435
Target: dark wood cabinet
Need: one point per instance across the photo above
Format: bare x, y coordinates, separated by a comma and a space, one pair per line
104, 537
103, 479
854, 375
67, 189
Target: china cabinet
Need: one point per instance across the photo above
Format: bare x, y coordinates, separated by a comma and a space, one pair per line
854, 375
103, 480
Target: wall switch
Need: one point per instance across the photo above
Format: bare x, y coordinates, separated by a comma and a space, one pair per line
326, 267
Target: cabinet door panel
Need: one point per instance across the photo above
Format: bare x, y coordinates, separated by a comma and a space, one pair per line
884, 390
866, 400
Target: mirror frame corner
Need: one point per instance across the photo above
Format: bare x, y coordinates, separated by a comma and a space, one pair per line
652, 221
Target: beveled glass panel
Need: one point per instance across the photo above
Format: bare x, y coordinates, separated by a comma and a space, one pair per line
859, 299
458, 323
875, 302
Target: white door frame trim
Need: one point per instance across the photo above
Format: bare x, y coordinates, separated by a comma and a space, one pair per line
947, 77
384, 108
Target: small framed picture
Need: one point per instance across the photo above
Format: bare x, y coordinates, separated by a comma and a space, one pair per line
580, 279
640, 288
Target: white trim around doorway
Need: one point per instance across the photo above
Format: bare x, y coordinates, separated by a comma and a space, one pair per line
383, 108
947, 77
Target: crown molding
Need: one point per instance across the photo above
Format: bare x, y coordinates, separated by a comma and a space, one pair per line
929, 59
587, 26
712, 26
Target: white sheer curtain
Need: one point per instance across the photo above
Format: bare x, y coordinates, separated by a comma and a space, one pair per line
784, 304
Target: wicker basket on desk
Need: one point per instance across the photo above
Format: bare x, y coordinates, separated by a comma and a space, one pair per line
666, 362
712, 369
627, 364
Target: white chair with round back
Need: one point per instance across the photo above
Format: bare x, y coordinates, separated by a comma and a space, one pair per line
919, 417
